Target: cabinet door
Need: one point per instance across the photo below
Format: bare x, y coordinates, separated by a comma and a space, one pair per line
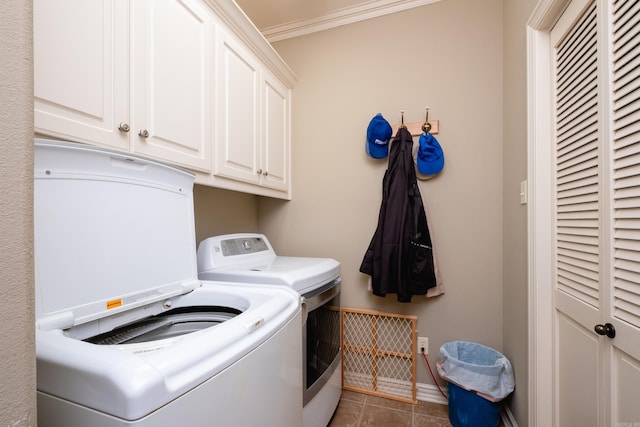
275, 154
237, 139
81, 63
172, 96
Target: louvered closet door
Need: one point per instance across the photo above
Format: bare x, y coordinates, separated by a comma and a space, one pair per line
596, 49
624, 292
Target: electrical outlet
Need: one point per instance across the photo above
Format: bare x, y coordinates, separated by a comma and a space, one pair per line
423, 343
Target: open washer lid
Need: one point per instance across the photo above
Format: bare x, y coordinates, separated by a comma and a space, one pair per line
112, 232
250, 258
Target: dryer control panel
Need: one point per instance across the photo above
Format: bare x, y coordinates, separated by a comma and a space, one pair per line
243, 245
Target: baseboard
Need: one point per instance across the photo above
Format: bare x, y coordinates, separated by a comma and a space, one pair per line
430, 393
392, 387
507, 418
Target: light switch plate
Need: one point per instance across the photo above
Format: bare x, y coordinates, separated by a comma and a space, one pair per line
523, 193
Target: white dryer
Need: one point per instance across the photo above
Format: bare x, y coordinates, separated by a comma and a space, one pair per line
126, 333
250, 258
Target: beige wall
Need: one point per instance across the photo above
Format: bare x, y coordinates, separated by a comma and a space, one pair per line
448, 56
220, 211
17, 350
515, 292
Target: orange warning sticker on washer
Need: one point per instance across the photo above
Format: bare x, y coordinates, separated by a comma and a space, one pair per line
114, 303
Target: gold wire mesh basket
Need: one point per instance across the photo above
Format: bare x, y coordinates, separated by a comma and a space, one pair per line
378, 355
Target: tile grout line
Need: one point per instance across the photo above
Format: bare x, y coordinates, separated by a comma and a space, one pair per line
364, 403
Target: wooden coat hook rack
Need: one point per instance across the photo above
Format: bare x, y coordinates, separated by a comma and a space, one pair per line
416, 128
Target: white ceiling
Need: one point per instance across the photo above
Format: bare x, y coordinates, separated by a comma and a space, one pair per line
282, 19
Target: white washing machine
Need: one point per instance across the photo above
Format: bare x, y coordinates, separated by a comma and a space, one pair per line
126, 333
250, 258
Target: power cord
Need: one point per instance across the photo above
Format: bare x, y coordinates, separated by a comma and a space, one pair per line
432, 376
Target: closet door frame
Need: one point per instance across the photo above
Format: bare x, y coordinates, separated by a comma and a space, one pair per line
620, 265
541, 196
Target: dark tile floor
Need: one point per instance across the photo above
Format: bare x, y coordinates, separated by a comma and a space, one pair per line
362, 410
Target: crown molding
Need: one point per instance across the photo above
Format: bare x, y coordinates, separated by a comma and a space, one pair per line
337, 18
237, 21
546, 13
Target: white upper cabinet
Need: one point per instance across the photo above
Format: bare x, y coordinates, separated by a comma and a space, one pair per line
276, 126
238, 138
133, 76
81, 70
171, 88
253, 132
189, 82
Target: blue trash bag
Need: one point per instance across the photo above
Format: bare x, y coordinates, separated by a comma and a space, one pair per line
477, 368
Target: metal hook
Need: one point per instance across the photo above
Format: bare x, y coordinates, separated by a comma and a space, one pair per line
426, 127
402, 119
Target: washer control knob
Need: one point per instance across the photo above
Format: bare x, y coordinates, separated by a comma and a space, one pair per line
246, 244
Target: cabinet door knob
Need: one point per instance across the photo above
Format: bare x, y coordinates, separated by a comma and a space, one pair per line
143, 133
123, 127
259, 171
606, 329
265, 173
